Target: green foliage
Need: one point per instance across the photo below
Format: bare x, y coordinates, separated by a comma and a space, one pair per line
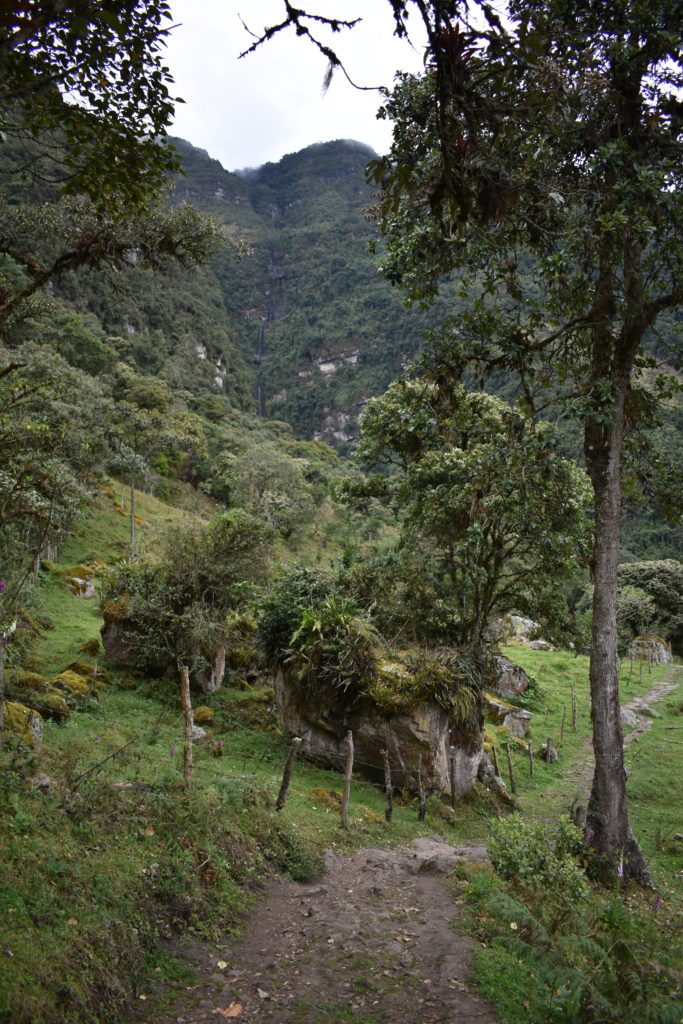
583, 964
49, 444
293, 590
503, 513
334, 648
266, 481
83, 87
542, 861
661, 584
174, 607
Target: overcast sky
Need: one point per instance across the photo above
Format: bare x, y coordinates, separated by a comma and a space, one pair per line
250, 111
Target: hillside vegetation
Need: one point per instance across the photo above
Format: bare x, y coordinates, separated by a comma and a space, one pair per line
110, 868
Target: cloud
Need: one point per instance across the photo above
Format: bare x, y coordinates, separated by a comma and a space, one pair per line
249, 111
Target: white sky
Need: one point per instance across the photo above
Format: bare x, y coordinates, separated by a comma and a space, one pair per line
250, 111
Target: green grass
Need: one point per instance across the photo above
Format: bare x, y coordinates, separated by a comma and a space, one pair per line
115, 855
553, 787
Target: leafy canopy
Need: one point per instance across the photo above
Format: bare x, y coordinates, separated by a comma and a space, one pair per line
84, 95
502, 511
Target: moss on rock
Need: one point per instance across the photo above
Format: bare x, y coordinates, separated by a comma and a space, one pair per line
204, 715
32, 681
24, 723
74, 684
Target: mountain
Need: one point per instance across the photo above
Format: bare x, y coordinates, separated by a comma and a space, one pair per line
320, 328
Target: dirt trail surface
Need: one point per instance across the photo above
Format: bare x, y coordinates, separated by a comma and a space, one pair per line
581, 775
372, 942
640, 706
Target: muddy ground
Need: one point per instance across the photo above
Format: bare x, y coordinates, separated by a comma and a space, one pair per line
375, 940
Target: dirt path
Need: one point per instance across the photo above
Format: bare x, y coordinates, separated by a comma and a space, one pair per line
640, 706
372, 942
581, 775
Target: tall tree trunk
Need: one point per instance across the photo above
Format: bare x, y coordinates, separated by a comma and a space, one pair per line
607, 820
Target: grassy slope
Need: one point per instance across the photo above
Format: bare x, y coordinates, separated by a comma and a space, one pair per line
115, 857
655, 785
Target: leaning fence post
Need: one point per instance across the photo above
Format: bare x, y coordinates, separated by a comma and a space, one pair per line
421, 799
387, 785
287, 773
495, 760
189, 722
513, 788
348, 772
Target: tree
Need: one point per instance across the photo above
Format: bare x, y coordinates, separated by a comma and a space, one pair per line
269, 483
553, 147
175, 605
48, 445
551, 143
41, 242
84, 96
143, 428
503, 513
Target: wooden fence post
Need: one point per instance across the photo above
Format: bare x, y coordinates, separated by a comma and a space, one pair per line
421, 799
573, 710
387, 785
495, 760
348, 772
287, 773
451, 772
530, 748
189, 722
564, 716
513, 788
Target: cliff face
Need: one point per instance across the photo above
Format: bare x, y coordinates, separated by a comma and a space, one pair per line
320, 328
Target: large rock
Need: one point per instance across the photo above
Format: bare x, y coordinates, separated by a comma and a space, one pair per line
653, 649
511, 679
516, 720
426, 732
24, 723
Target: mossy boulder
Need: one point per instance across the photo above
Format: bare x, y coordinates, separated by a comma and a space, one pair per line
204, 715
33, 691
74, 684
88, 671
24, 723
80, 580
91, 647
515, 719
53, 705
33, 681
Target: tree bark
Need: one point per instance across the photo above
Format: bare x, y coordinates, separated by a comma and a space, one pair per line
607, 819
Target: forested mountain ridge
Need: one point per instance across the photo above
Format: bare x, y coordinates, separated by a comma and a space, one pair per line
321, 329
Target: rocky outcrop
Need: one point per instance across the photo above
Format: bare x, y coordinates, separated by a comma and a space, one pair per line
516, 720
426, 732
80, 580
511, 679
